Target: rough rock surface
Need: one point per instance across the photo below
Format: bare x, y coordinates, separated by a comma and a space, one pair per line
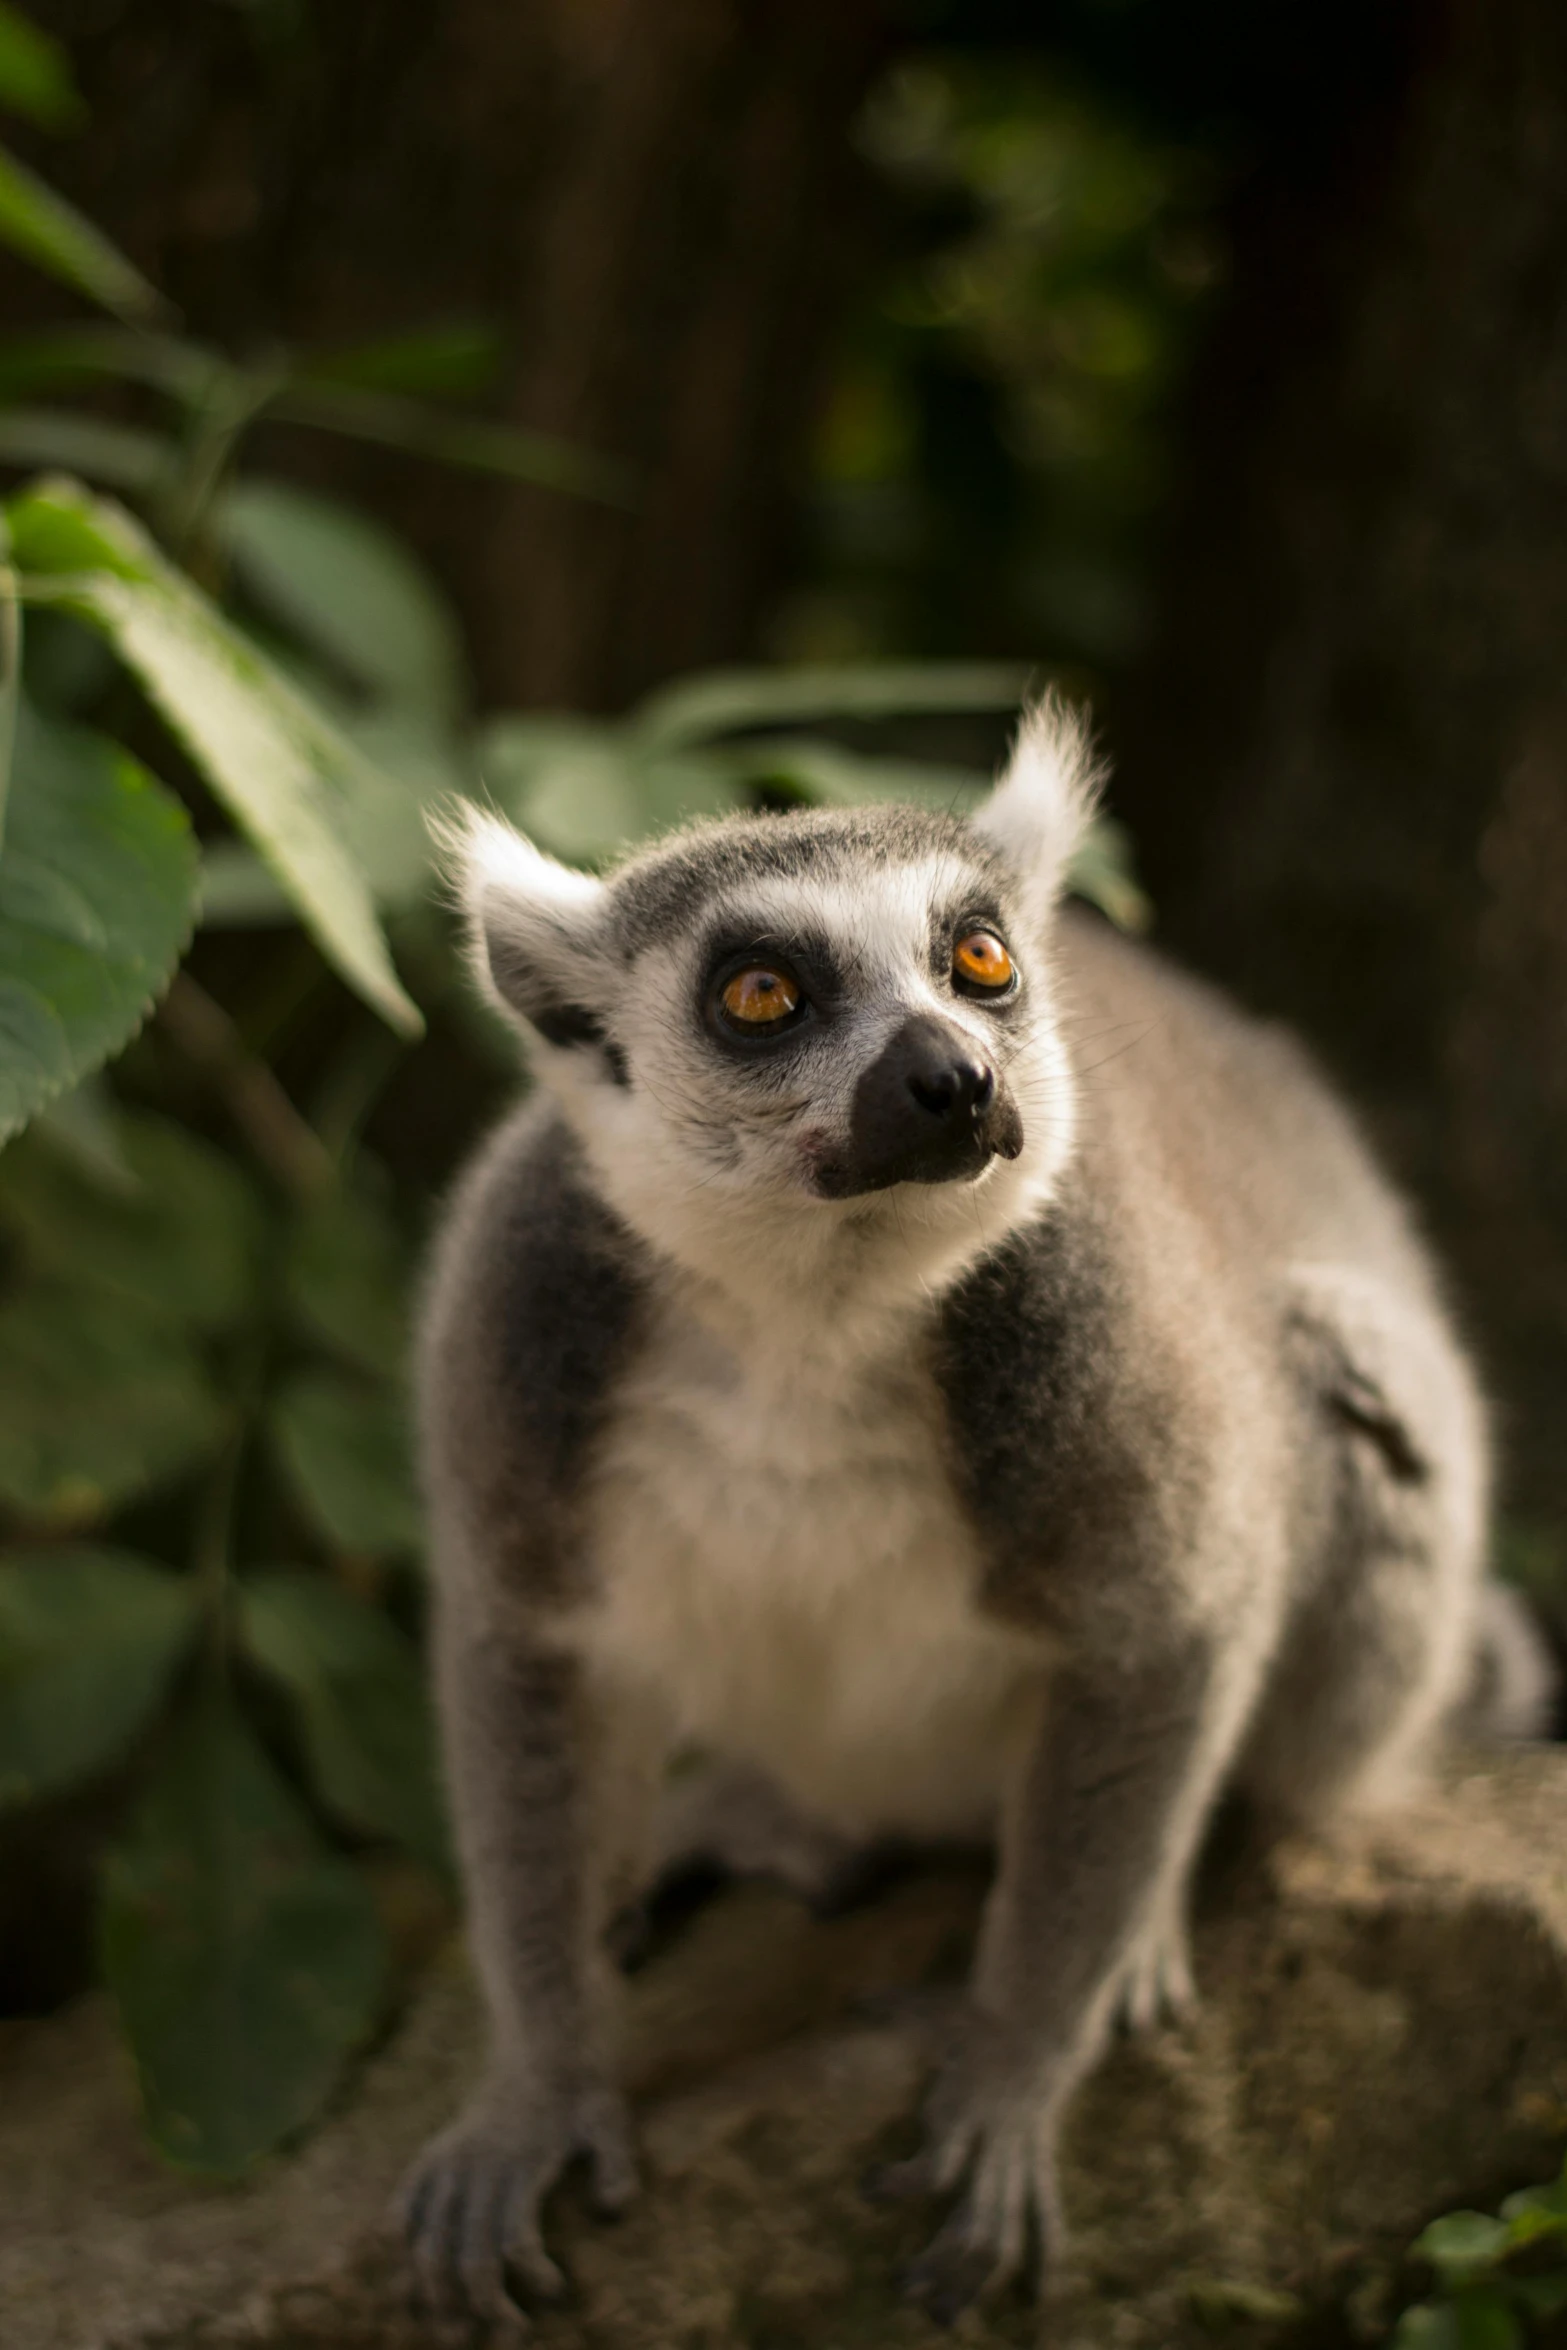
1383, 2034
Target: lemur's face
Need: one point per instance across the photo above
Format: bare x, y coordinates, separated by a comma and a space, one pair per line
841, 1016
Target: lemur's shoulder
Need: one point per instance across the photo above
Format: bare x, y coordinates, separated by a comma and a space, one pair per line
530, 1311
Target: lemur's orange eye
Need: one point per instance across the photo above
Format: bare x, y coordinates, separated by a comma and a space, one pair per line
760, 996
982, 960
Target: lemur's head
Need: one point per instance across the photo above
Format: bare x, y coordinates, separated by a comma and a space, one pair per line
778, 1033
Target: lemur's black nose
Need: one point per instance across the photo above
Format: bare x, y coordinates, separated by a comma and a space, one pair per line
954, 1086
929, 1109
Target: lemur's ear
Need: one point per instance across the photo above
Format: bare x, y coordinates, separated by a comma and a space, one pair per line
533, 926
1045, 800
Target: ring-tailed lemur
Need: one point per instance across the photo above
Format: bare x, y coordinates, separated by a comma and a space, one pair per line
923, 1351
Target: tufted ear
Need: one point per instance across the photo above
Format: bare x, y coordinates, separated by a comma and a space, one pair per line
1045, 800
534, 926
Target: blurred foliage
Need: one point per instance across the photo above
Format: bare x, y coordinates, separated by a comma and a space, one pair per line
1500, 2282
997, 444
227, 707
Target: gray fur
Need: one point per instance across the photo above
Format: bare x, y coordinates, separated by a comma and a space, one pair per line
1043, 1504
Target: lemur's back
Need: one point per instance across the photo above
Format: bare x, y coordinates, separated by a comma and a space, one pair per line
1230, 1112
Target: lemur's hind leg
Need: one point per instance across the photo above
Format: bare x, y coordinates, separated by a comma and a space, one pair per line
1384, 1639
732, 1817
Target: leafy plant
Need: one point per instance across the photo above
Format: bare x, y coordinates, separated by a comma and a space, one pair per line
1498, 2279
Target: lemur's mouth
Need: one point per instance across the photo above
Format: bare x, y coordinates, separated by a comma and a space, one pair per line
961, 1157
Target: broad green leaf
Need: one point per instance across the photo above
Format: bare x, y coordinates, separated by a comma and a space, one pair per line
1486, 2319
1460, 2242
455, 358
182, 1238
97, 892
396, 423
246, 1959
63, 356
89, 1640
121, 456
383, 811
1102, 872
1430, 2325
348, 589
346, 1448
99, 1402
47, 231
10, 677
725, 700
1543, 2209
584, 789
824, 771
347, 1276
360, 1692
273, 759
35, 73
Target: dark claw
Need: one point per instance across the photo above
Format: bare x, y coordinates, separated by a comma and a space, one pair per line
945, 2280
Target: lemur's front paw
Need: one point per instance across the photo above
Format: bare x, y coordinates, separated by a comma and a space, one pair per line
469, 2208
990, 2128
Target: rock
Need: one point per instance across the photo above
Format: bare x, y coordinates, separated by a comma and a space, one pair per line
1383, 2035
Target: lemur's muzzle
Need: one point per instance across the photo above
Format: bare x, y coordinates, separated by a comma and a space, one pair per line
929, 1109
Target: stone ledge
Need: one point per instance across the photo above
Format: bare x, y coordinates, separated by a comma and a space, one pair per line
1383, 2034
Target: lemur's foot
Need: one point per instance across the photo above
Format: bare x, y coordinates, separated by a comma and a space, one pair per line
469, 2208
1157, 1987
991, 2133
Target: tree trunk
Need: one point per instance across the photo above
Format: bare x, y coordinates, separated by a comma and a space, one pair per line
1347, 763
648, 197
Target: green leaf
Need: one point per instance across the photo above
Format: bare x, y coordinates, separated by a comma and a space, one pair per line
1460, 2242
844, 779
89, 1640
360, 1691
1539, 2210
1486, 2320
246, 1960
409, 767
348, 589
1430, 2325
347, 1275
120, 455
182, 1237
1102, 873
440, 359
97, 891
98, 1403
65, 356
725, 700
273, 759
583, 788
396, 423
10, 680
47, 231
35, 73
346, 1449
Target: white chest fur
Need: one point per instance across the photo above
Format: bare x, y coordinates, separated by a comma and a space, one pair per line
783, 1561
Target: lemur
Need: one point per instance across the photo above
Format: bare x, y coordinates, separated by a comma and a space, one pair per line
920, 1352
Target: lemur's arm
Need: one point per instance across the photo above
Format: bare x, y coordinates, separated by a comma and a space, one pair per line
527, 1765
527, 1320
1096, 1836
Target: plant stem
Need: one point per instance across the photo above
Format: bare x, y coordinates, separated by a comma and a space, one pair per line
287, 1146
